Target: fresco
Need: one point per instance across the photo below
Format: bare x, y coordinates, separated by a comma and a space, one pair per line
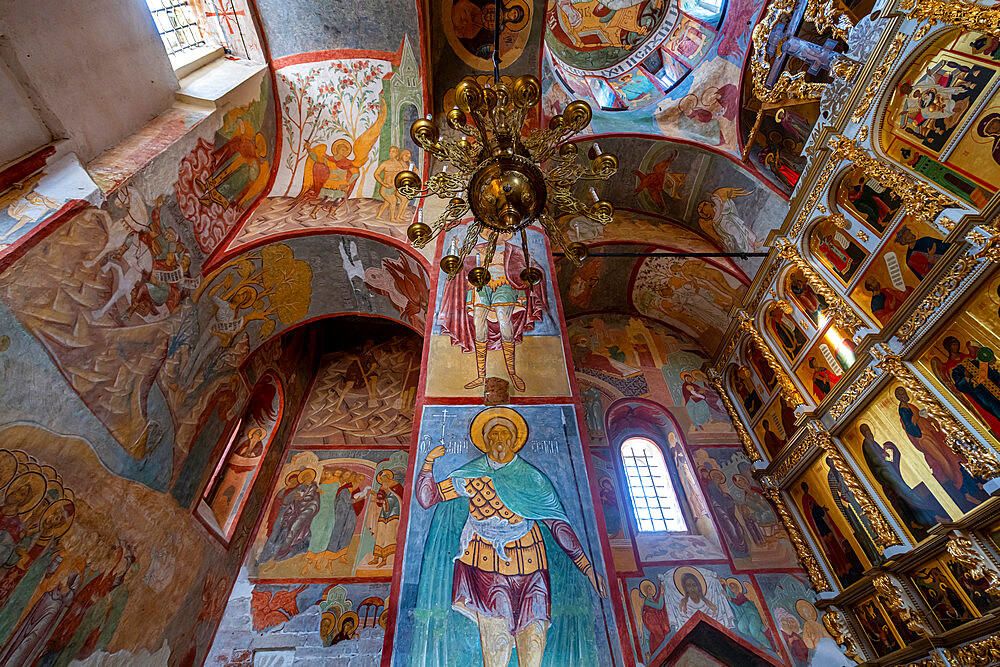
948, 85
33, 200
469, 26
617, 356
712, 195
480, 333
694, 296
907, 457
364, 395
345, 135
835, 522
796, 620
552, 542
670, 601
325, 519
339, 622
960, 358
219, 181
227, 493
749, 527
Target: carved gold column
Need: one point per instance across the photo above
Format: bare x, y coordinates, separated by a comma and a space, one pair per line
749, 446
886, 536
968, 15
965, 552
835, 625
980, 460
802, 550
920, 200
843, 315
788, 389
892, 595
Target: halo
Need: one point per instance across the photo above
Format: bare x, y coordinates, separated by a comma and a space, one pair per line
36, 483
255, 429
69, 511
687, 569
292, 475
805, 609
490, 417
8, 467
651, 588
382, 473
305, 473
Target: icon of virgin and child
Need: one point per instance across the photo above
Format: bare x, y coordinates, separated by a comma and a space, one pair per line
503, 569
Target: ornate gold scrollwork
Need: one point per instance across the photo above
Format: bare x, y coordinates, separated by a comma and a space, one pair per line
749, 446
789, 392
789, 460
884, 533
976, 654
920, 200
834, 625
805, 555
968, 15
890, 593
850, 395
979, 459
963, 550
943, 291
843, 315
810, 202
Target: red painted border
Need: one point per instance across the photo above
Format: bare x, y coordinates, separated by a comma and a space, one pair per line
24, 167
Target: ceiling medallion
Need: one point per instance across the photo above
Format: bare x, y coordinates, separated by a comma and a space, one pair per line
509, 178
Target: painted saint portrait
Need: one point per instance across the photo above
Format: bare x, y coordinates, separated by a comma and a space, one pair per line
868, 201
469, 27
786, 331
942, 595
907, 456
837, 250
880, 632
503, 568
802, 293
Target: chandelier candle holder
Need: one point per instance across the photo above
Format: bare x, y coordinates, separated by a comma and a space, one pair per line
509, 179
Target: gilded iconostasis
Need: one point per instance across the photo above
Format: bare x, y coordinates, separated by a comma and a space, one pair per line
246, 421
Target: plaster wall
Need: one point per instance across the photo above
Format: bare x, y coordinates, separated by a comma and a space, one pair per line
23, 130
65, 51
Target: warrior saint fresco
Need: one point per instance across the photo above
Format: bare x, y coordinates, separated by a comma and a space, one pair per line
503, 568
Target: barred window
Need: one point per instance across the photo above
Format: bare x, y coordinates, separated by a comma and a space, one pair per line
177, 24
654, 500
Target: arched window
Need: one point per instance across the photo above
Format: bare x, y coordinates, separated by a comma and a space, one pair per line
654, 500
229, 489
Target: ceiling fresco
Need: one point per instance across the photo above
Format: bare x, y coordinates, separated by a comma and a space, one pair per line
663, 77
691, 296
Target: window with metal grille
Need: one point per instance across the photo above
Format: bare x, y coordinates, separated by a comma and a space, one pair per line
177, 24
654, 500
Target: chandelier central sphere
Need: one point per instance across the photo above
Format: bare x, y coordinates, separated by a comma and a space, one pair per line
508, 177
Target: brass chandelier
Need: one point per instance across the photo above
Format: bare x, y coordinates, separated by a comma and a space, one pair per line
509, 179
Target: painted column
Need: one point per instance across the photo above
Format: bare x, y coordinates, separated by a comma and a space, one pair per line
502, 549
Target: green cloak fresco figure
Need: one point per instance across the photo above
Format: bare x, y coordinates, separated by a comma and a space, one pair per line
503, 572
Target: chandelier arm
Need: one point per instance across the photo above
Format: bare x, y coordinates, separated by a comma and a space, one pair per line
450, 217
524, 248
556, 233
491, 248
471, 239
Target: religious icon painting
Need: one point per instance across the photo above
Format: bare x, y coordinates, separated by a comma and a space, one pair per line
825, 363
804, 296
946, 89
879, 630
787, 333
772, 430
636, 87
836, 522
976, 588
960, 360
747, 391
761, 368
907, 255
837, 250
469, 27
868, 201
906, 455
690, 41
943, 595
